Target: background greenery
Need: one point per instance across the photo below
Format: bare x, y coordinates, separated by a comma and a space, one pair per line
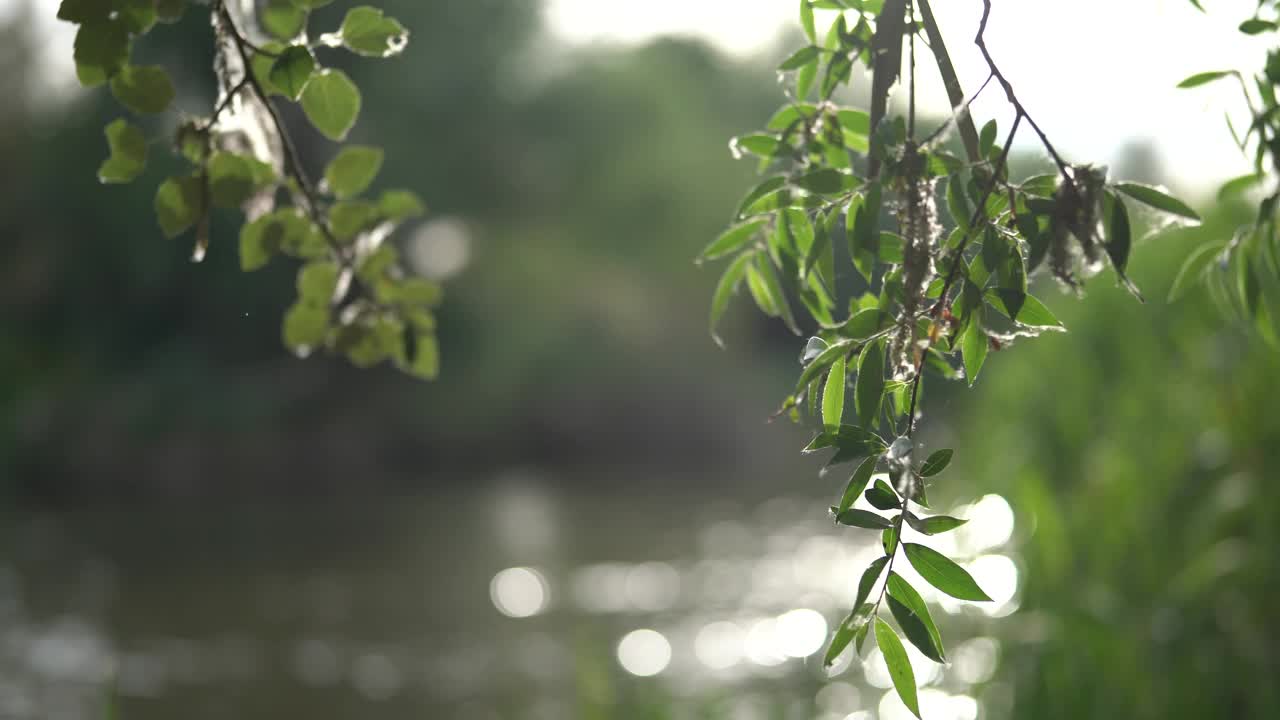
176, 486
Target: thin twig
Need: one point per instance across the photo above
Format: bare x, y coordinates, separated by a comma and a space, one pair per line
226, 101
981, 42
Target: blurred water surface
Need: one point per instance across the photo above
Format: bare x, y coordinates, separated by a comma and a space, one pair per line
509, 600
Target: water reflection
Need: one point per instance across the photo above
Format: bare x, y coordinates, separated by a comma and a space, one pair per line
519, 592
340, 612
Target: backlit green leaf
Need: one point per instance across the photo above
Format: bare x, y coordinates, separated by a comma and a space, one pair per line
895, 657
934, 525
332, 103
144, 89
936, 463
1205, 77
913, 617
284, 19
291, 70
833, 396
942, 573
727, 286
862, 519
869, 388
366, 31
128, 153
857, 483
1157, 199
352, 170
101, 48
732, 239
882, 497
179, 204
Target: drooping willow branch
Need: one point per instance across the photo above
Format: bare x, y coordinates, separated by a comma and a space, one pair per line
925, 301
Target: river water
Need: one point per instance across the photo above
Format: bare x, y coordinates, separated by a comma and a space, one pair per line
514, 599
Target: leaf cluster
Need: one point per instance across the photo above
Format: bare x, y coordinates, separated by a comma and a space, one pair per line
353, 296
1242, 272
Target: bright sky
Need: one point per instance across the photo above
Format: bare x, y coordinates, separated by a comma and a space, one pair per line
1094, 73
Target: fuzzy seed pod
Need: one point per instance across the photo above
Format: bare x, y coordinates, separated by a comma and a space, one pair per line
918, 223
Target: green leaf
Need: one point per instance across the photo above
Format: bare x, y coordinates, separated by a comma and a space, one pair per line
291, 70
84, 11
426, 357
179, 204
833, 396
800, 58
934, 525
862, 519
944, 574
233, 178
318, 281
732, 239
869, 389
865, 323
101, 49
845, 633
1205, 77
283, 19
1193, 269
1238, 185
974, 348
895, 657
137, 15
305, 326
128, 153
806, 21
144, 89
987, 138
366, 31
770, 277
400, 205
1120, 235
1031, 312
851, 443
332, 103
889, 540
259, 240
825, 181
1255, 26
759, 191
857, 483
882, 497
805, 77
353, 170
725, 289
349, 218
820, 363
913, 616
1157, 199
936, 463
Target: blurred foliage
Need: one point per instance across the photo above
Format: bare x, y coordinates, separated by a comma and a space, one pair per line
578, 177
1138, 450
